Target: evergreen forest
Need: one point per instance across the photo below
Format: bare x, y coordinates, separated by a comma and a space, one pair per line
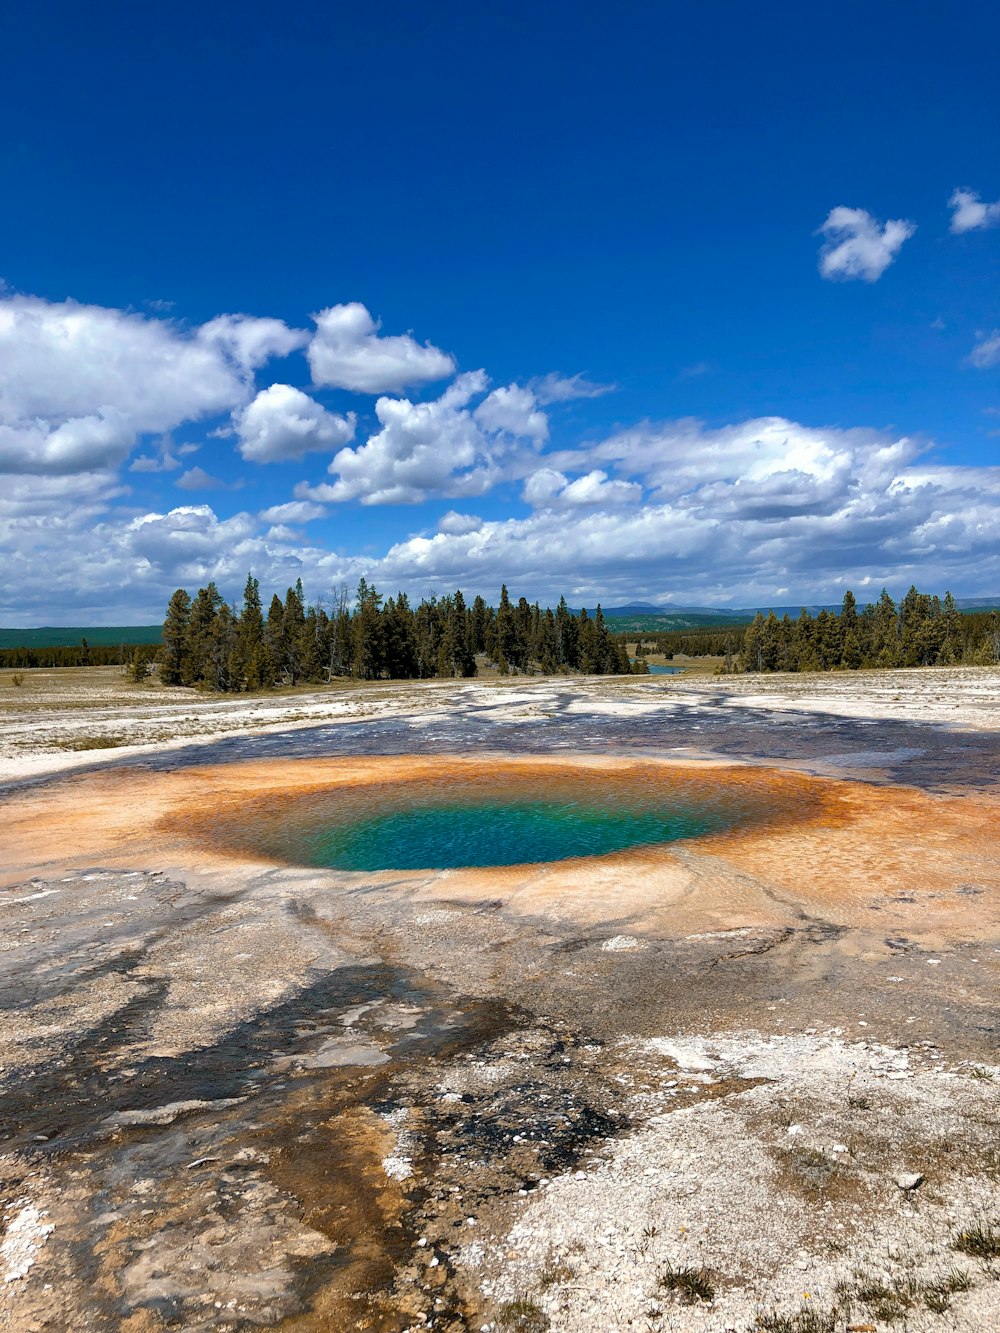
921, 630
213, 645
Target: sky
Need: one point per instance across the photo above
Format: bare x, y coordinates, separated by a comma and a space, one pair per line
688, 304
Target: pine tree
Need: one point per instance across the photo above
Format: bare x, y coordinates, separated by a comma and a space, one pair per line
174, 642
463, 662
952, 647
274, 639
368, 648
885, 632
506, 633
199, 641
293, 621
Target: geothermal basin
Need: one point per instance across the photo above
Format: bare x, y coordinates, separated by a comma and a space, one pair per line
495, 1006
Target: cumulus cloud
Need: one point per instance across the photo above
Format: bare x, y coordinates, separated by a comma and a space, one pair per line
970, 213
250, 342
197, 479
459, 524
283, 423
548, 488
346, 352
165, 459
295, 511
747, 468
856, 245
736, 513
444, 447
553, 388
987, 351
514, 410
873, 509
79, 384
124, 567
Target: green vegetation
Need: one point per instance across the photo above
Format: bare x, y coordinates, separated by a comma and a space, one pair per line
688, 1284
807, 1320
981, 1241
83, 653
69, 636
522, 1315
659, 622
920, 631
380, 639
894, 1299
214, 646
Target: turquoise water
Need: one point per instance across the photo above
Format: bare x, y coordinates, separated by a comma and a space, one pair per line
446, 836
421, 816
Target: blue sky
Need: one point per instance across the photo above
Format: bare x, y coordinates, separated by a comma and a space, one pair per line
674, 303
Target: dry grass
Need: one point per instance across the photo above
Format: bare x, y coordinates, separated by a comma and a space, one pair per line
689, 1285
981, 1240
522, 1315
807, 1320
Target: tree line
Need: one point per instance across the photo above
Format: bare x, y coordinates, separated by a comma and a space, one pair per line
79, 654
208, 643
921, 631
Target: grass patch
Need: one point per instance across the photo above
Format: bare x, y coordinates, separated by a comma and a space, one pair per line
937, 1295
689, 1285
522, 1315
807, 1320
111, 742
811, 1172
555, 1271
981, 1240
894, 1300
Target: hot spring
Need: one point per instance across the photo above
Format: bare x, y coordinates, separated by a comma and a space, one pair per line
439, 815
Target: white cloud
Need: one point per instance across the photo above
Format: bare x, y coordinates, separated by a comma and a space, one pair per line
553, 388
885, 516
737, 513
284, 423
197, 479
295, 511
753, 467
987, 351
164, 460
346, 352
458, 524
548, 488
515, 411
250, 342
79, 384
439, 448
970, 213
856, 245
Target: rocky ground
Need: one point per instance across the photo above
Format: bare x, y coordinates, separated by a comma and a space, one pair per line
749, 1084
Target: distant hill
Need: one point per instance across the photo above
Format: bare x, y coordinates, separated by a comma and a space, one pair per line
648, 621
68, 636
642, 616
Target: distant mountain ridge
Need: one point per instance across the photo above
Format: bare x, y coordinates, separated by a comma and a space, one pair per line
649, 608
647, 616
